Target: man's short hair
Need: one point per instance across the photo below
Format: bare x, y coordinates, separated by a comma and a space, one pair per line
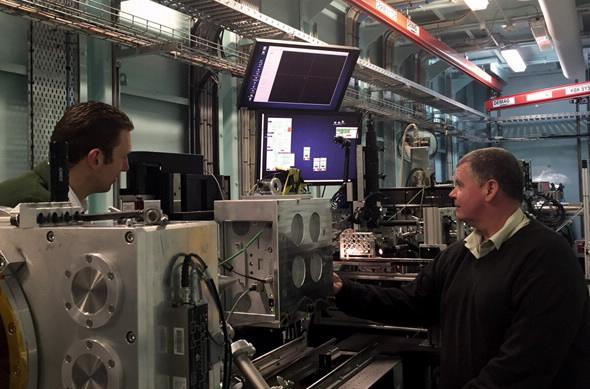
91, 125
497, 164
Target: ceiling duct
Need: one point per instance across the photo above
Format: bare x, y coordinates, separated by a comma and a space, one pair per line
562, 22
541, 34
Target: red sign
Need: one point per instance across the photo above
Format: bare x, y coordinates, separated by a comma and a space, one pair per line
388, 15
563, 92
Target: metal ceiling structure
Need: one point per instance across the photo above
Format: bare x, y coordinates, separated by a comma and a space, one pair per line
129, 31
481, 34
140, 35
250, 23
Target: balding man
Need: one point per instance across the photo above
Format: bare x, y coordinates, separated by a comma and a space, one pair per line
510, 299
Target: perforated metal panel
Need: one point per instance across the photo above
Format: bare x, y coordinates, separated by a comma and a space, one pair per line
53, 76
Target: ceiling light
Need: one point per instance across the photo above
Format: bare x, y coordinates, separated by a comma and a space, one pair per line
514, 60
477, 5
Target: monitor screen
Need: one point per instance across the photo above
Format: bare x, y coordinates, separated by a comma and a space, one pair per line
306, 140
294, 75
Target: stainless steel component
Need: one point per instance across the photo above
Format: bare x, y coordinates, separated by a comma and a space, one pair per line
275, 360
30, 215
283, 243
101, 302
433, 233
91, 290
356, 244
90, 363
374, 372
242, 351
347, 369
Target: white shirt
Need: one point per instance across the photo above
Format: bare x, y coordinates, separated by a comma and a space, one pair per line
76, 201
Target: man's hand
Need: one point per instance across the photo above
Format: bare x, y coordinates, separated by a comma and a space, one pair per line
336, 283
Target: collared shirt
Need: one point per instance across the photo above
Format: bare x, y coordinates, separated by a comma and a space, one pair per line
76, 201
480, 248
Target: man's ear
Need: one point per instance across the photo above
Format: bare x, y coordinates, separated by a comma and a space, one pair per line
491, 187
95, 158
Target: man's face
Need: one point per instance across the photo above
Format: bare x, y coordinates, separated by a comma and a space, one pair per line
108, 173
468, 194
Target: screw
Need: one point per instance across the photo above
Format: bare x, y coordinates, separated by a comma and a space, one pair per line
3, 262
89, 258
11, 328
68, 359
129, 237
111, 363
68, 306
130, 337
50, 236
110, 275
68, 274
89, 323
89, 345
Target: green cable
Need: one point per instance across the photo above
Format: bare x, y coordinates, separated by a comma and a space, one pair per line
242, 250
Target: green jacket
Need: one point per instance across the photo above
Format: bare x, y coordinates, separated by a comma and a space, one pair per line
30, 187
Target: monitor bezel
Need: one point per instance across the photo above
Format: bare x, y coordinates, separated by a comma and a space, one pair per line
349, 67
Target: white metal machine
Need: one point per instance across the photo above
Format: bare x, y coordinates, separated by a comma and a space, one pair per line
280, 249
89, 305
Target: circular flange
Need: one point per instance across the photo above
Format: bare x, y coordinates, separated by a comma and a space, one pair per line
297, 229
20, 343
316, 267
298, 272
90, 363
91, 291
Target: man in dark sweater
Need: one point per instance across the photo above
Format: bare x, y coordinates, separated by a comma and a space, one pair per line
511, 299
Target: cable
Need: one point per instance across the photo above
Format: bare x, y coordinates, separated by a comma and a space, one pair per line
242, 250
409, 202
231, 269
218, 186
206, 277
235, 304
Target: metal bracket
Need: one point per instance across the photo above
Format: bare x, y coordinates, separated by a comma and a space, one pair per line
12, 266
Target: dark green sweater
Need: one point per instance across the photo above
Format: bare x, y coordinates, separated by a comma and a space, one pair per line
30, 187
518, 317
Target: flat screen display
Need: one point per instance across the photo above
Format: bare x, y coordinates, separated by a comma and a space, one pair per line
306, 140
293, 75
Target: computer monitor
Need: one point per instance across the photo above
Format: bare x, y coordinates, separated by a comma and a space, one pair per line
295, 75
306, 140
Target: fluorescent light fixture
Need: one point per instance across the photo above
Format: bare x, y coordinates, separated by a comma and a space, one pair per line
514, 60
477, 5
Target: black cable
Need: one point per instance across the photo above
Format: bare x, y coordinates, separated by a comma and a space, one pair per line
185, 272
227, 359
230, 268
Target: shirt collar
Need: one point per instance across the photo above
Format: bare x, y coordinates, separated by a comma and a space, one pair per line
76, 202
479, 247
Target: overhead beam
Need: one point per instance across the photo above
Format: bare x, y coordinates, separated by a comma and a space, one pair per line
564, 92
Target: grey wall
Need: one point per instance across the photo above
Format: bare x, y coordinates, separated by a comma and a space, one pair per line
14, 124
